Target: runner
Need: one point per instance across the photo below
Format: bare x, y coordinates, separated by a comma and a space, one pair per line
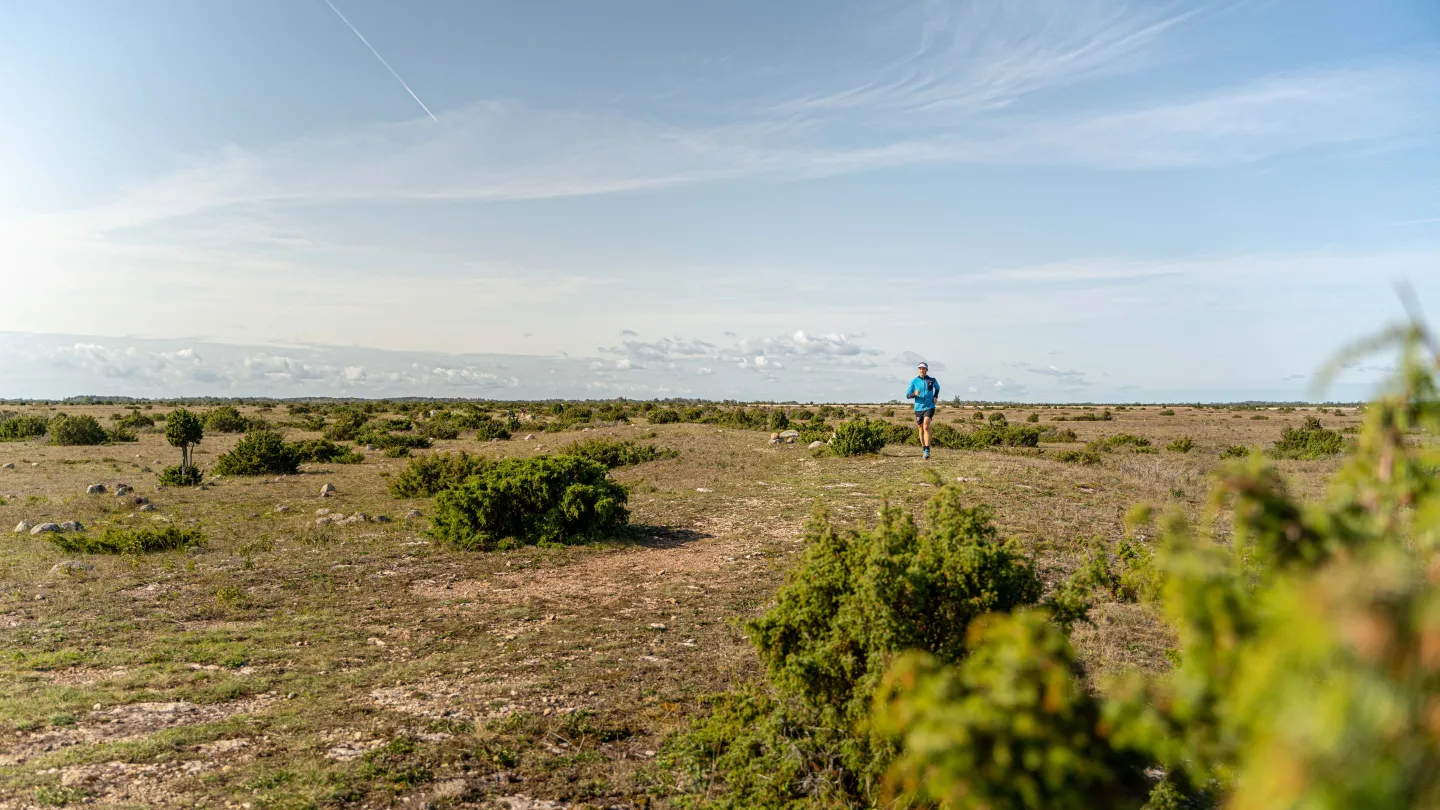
925, 390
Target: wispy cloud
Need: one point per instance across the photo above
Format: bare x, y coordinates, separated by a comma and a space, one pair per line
965, 91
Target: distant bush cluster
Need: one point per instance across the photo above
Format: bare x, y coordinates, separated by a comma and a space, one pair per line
429, 475
617, 453
1309, 441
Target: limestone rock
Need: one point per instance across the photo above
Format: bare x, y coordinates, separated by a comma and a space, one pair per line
9, 465
121, 491
381, 519
73, 526
45, 528
147, 507
71, 567
789, 434
95, 489
816, 445
22, 527
413, 513
282, 508
327, 490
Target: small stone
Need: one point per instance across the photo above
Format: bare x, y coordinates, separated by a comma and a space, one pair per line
322, 511
95, 489
73, 526
413, 513
370, 447
703, 489
46, 528
381, 519
774, 439
147, 507
121, 491
282, 508
816, 445
140, 500
9, 465
71, 567
529, 436
22, 527
789, 434
326, 490
324, 521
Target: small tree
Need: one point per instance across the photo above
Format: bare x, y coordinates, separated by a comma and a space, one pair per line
184, 430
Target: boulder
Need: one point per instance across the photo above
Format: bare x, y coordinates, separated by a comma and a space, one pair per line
327, 490
140, 500
370, 447
147, 507
529, 436
73, 526
789, 434
413, 513
816, 445
282, 508
22, 527
322, 511
9, 465
774, 439
45, 528
71, 567
95, 489
381, 519
324, 521
121, 491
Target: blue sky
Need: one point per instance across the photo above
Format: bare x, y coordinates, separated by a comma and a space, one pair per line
1049, 200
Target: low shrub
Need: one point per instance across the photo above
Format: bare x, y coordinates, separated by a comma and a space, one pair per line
815, 430
487, 429
396, 452
390, 441
19, 427
779, 420
1033, 418
115, 540
79, 429
1120, 440
181, 476
663, 416
133, 420
347, 425
225, 419
858, 598
440, 428
1089, 454
324, 451
1182, 444
616, 453
997, 418
1309, 441
259, 452
428, 475
1059, 436
1235, 451
1104, 416
1168, 412
858, 437
537, 500
1259, 416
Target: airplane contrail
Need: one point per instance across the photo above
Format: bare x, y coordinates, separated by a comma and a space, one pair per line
382, 60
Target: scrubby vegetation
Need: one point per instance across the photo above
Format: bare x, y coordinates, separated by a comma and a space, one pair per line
225, 419
616, 452
426, 476
181, 476
19, 427
183, 429
857, 598
1309, 441
115, 540
1305, 675
133, 420
537, 500
858, 437
324, 451
76, 429
259, 452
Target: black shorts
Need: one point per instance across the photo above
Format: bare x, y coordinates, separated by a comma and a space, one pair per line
921, 416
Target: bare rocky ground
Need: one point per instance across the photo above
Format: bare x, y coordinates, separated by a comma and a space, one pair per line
290, 665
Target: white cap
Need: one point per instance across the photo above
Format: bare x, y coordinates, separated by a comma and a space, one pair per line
923, 364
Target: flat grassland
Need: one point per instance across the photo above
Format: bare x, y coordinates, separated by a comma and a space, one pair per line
286, 664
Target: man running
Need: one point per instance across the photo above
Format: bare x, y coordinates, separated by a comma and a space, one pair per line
925, 390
